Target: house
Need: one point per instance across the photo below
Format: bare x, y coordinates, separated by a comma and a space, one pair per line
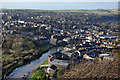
106, 57
60, 64
61, 43
87, 57
79, 53
67, 49
110, 58
68, 54
60, 56
67, 40
57, 55
102, 55
107, 37
59, 59
52, 69
106, 45
50, 58
53, 41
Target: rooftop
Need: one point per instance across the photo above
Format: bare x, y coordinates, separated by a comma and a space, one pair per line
59, 62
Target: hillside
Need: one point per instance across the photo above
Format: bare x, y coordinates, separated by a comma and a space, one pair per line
93, 70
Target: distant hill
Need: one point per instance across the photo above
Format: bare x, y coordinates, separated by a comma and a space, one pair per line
96, 11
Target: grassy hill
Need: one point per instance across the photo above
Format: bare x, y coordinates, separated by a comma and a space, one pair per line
97, 11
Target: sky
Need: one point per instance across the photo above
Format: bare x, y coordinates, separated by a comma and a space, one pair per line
18, 4
60, 5
59, 0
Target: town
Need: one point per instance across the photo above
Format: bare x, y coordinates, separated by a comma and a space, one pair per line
78, 37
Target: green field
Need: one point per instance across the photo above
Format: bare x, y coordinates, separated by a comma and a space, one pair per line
114, 11
45, 62
36, 75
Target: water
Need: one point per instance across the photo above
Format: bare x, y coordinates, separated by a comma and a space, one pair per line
60, 5
19, 72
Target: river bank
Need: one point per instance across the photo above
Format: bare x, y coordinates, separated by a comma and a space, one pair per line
22, 63
19, 72
39, 72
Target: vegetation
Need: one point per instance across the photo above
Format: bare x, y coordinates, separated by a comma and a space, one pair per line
39, 72
106, 69
19, 50
45, 62
59, 72
45, 47
99, 11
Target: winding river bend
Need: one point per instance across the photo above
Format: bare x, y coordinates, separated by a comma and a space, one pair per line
19, 72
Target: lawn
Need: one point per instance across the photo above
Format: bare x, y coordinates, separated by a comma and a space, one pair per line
36, 75
45, 62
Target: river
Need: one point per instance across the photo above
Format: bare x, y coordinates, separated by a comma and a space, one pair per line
20, 71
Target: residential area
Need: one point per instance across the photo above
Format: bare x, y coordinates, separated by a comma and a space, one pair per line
78, 37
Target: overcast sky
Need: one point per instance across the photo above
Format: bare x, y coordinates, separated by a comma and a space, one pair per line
59, 0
